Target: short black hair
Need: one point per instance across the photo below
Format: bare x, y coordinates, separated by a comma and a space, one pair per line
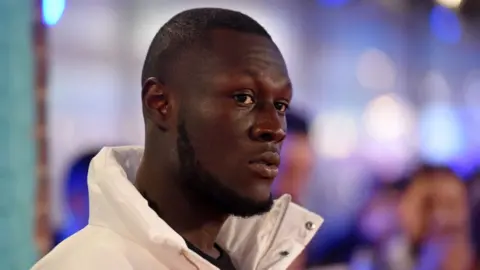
297, 123
187, 28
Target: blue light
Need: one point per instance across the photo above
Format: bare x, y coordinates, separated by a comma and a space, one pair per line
333, 3
464, 165
445, 25
441, 134
52, 11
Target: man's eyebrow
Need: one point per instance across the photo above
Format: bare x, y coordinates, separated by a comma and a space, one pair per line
256, 74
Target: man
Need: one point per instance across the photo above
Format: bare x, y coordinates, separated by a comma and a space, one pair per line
382, 244
215, 93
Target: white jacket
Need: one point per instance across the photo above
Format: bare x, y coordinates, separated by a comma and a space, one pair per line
125, 234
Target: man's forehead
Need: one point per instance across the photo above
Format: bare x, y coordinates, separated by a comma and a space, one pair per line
251, 52
257, 68
232, 56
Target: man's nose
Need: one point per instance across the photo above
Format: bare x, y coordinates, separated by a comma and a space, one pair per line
269, 126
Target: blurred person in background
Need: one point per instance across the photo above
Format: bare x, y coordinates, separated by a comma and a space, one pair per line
385, 246
424, 226
435, 217
296, 166
215, 90
297, 158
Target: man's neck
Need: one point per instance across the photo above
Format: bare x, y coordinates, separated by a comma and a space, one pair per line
194, 221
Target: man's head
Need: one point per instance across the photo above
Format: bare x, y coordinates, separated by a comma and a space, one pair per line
215, 91
435, 203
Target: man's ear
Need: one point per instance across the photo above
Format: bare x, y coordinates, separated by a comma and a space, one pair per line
156, 101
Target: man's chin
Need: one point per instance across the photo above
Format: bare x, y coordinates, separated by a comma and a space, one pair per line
245, 207
208, 190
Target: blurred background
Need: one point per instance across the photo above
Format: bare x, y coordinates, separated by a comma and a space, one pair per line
384, 141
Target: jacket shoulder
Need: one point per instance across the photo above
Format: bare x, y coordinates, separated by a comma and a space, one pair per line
91, 248
95, 259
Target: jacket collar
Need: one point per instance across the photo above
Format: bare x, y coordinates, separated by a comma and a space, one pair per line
261, 242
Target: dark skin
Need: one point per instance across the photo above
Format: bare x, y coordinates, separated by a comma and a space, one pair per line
232, 106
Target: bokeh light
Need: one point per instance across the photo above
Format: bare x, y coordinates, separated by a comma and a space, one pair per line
52, 11
445, 25
376, 71
335, 134
387, 118
435, 87
440, 133
450, 3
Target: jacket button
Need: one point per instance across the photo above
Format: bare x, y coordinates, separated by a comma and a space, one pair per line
310, 226
284, 253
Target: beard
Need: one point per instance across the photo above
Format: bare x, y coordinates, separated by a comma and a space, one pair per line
203, 187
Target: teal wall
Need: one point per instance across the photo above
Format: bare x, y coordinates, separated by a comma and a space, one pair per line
17, 144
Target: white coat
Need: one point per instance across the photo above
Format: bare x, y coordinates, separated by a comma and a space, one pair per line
125, 234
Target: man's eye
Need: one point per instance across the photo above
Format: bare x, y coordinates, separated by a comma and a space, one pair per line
281, 106
244, 99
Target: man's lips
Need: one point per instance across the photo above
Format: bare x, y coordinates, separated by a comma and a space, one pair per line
266, 165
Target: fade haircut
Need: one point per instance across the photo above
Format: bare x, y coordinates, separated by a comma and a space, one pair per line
190, 27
